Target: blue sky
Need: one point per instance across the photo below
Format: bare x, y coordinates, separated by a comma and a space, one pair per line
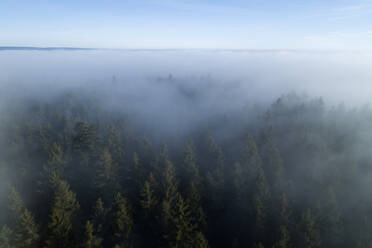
231, 24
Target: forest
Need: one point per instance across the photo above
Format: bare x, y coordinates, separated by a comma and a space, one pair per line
293, 173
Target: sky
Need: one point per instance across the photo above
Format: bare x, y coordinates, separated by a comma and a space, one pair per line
188, 24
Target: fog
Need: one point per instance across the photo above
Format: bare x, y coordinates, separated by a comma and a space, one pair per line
255, 75
259, 123
176, 89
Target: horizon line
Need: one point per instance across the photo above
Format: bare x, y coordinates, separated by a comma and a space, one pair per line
51, 48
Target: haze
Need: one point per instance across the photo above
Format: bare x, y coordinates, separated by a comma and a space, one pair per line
254, 75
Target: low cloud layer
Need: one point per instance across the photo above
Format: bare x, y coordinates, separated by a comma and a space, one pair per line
178, 89
338, 75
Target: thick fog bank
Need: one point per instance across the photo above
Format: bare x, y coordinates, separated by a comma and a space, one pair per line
256, 75
176, 90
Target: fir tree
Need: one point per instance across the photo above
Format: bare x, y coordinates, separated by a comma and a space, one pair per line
249, 167
100, 214
273, 163
106, 170
6, 238
215, 154
169, 183
310, 237
284, 241
90, 239
183, 231
106, 178
123, 223
194, 201
261, 202
26, 231
115, 144
149, 200
170, 194
135, 177
284, 223
84, 138
330, 220
189, 171
56, 161
65, 208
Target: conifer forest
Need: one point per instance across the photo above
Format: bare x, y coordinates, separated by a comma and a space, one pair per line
185, 124
295, 173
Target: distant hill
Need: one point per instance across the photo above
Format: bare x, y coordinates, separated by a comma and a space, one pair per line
3, 48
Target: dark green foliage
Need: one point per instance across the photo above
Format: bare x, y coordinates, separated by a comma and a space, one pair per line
149, 199
184, 228
25, 231
261, 201
54, 167
84, 137
106, 177
123, 223
298, 177
284, 241
189, 170
65, 209
6, 238
310, 237
90, 239
99, 216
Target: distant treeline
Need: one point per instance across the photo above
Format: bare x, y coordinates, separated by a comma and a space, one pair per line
297, 175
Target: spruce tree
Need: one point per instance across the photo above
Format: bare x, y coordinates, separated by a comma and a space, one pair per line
183, 230
284, 223
150, 212
84, 137
273, 162
123, 223
189, 171
261, 203
64, 210
99, 217
249, 167
6, 238
284, 241
56, 161
310, 237
195, 203
149, 200
330, 219
215, 154
26, 231
115, 144
170, 195
90, 239
106, 174
135, 176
